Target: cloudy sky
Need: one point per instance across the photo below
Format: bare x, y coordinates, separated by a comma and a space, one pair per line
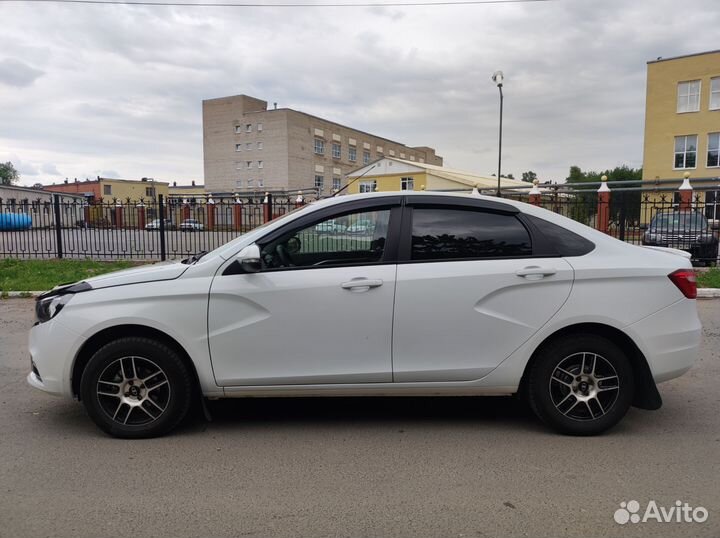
113, 90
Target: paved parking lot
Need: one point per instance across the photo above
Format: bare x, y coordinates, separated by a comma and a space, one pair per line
354, 467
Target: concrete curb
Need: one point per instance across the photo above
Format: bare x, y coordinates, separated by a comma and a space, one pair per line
703, 293
20, 294
708, 293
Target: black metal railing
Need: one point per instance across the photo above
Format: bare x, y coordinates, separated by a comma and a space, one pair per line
159, 228
147, 229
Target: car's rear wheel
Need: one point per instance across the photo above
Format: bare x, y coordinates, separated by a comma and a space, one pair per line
136, 388
581, 384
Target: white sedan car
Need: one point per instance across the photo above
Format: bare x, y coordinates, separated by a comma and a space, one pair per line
451, 295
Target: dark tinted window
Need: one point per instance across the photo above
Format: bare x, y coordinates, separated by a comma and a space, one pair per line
565, 242
439, 233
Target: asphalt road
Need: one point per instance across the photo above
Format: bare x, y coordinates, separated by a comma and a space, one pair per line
354, 467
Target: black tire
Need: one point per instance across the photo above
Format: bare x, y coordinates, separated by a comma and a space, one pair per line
120, 377
558, 396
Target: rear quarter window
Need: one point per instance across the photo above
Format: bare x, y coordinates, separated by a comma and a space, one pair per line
564, 242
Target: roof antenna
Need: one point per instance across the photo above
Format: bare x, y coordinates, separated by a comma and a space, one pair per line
354, 180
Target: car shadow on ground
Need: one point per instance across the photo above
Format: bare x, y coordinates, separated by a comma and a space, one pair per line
230, 413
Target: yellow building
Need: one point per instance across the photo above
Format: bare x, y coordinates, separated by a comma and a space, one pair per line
109, 189
187, 191
389, 174
682, 117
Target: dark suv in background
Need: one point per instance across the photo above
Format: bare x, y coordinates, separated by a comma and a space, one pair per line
684, 230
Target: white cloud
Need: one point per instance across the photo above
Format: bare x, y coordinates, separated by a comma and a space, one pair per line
119, 88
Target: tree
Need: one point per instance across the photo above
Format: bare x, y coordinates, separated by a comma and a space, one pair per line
622, 203
529, 176
510, 176
8, 174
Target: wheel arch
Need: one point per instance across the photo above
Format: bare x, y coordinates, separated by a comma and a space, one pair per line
99, 339
646, 393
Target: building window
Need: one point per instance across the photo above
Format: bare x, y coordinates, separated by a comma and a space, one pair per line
368, 186
688, 96
248, 127
238, 129
366, 157
336, 151
238, 165
260, 145
248, 164
319, 181
352, 154
407, 184
259, 127
260, 183
260, 164
248, 146
715, 93
107, 190
319, 146
336, 183
150, 191
250, 183
239, 183
238, 147
685, 151
713, 156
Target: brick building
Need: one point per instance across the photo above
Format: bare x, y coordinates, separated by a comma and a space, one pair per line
248, 147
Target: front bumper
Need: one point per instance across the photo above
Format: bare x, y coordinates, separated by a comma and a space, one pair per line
52, 349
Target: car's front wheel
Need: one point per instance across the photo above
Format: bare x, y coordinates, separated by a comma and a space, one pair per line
581, 384
136, 387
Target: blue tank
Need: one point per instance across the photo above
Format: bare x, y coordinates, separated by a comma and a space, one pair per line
15, 221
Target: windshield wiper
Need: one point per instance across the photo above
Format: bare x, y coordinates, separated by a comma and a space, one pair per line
195, 257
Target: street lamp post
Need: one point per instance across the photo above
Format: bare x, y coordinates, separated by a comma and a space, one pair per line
498, 78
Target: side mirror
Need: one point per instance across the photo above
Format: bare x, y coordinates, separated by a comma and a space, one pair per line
249, 259
643, 227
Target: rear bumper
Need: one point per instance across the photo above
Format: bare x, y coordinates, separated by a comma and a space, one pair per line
669, 339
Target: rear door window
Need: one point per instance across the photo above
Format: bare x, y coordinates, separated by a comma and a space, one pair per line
457, 234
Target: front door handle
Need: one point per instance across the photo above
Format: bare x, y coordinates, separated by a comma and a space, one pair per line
361, 284
535, 272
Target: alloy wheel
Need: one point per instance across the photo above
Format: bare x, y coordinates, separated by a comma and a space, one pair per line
584, 386
133, 391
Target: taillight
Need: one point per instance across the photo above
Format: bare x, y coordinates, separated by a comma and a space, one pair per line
686, 282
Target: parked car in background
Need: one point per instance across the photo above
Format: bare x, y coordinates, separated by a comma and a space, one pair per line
155, 225
330, 227
684, 230
453, 295
191, 225
362, 226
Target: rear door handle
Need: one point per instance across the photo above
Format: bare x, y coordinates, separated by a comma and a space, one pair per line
361, 284
535, 272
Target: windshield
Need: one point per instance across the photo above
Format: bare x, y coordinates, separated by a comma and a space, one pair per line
679, 221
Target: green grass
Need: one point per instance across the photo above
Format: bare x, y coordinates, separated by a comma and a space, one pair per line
709, 279
39, 275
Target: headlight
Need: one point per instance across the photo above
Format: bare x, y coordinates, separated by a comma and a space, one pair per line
48, 307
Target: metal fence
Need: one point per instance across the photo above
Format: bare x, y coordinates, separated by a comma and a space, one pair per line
661, 215
157, 229
148, 229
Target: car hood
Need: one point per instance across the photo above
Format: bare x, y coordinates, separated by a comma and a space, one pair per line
137, 275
